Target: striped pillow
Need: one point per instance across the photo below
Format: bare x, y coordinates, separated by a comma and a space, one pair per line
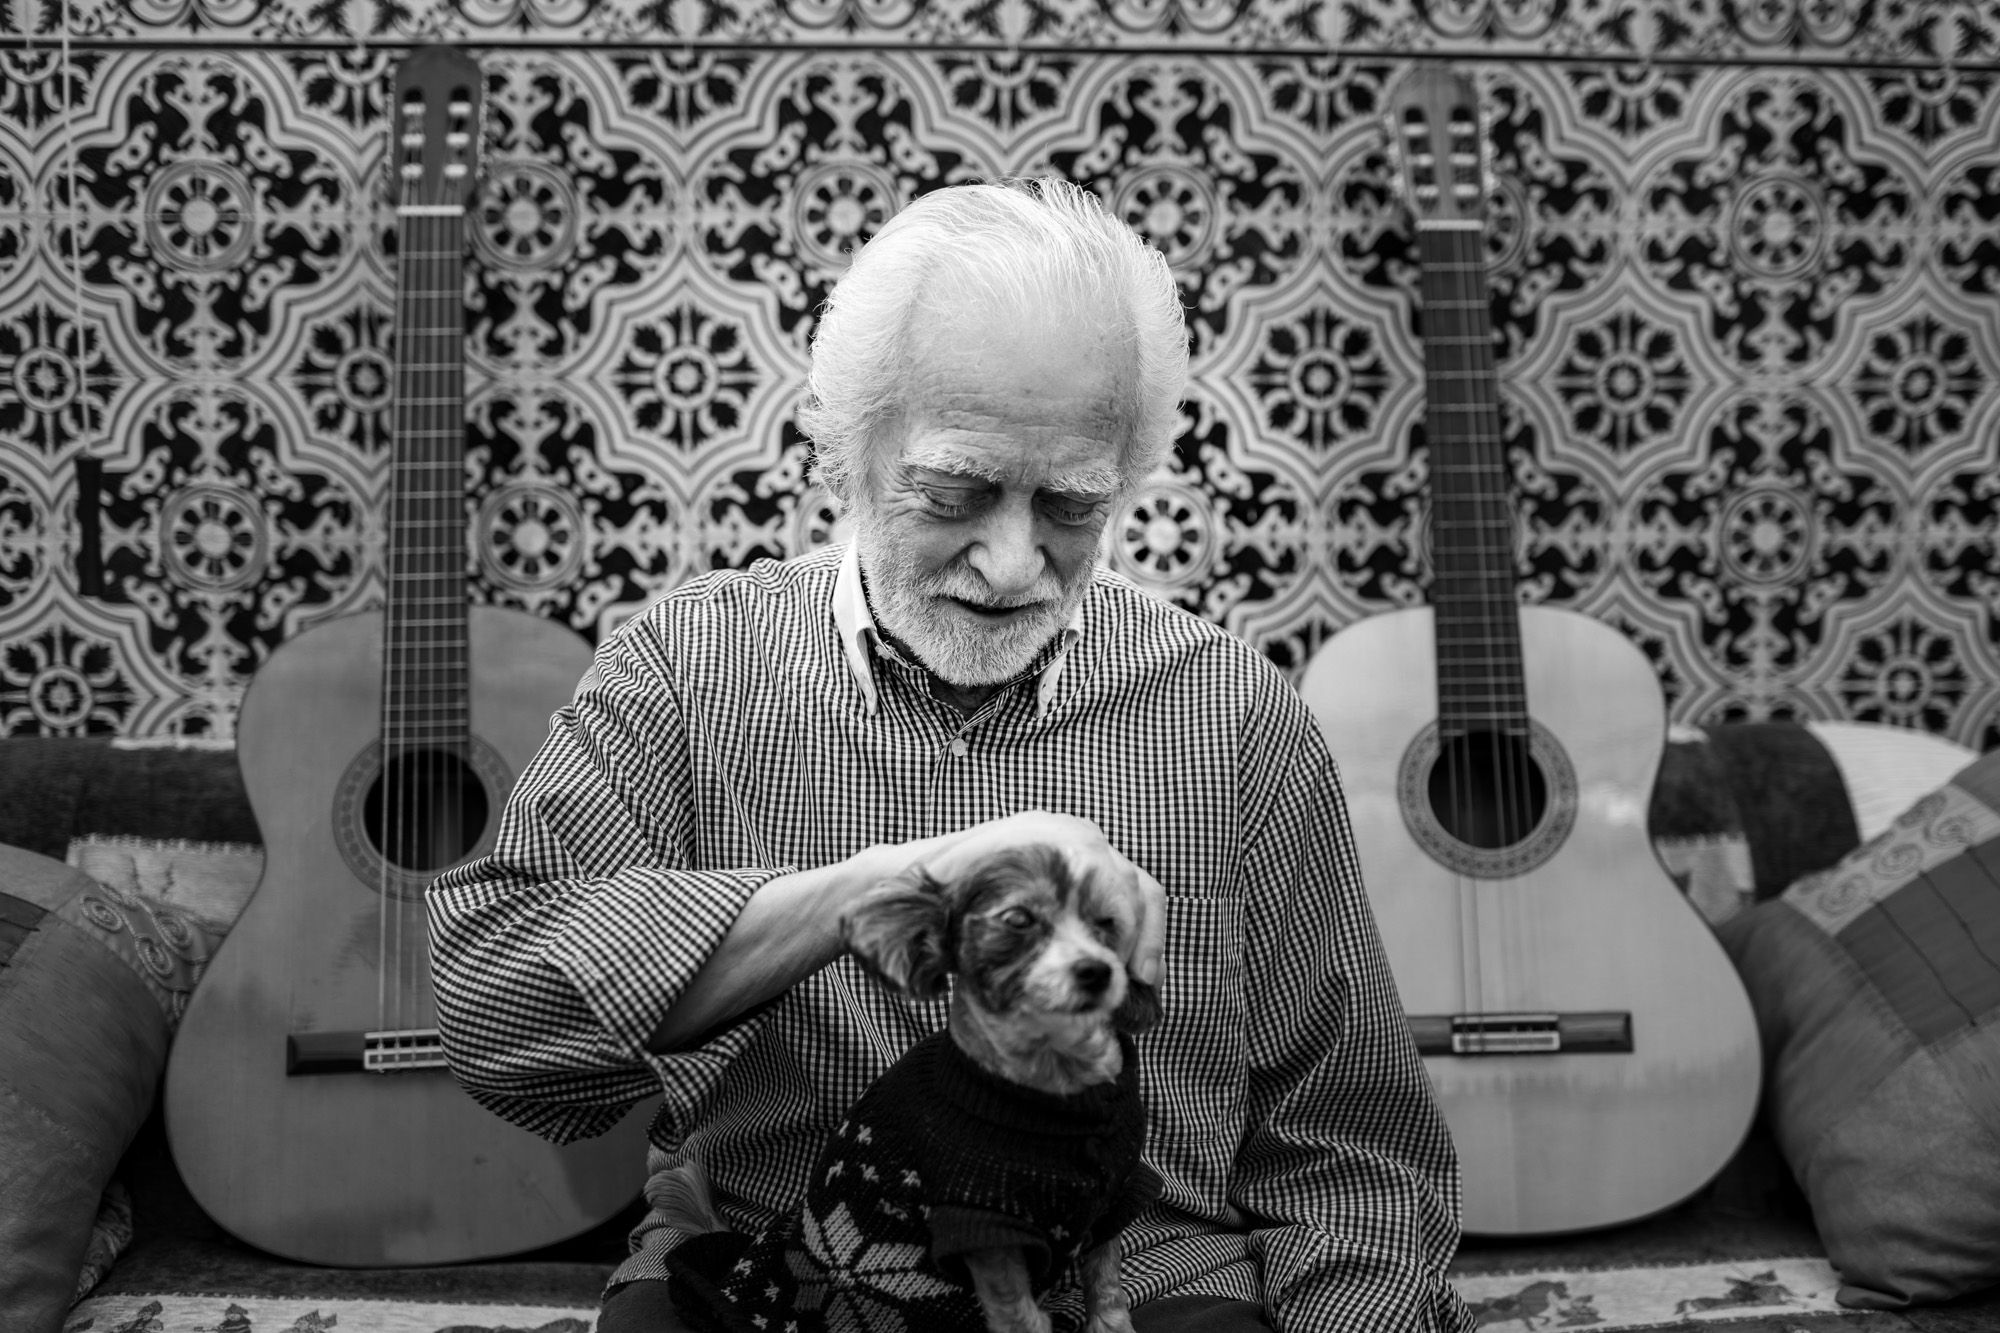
1877, 989
82, 1044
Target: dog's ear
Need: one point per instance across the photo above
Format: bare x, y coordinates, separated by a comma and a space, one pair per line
1140, 1009
898, 932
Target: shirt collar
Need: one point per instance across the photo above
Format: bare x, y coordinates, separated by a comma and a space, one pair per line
860, 639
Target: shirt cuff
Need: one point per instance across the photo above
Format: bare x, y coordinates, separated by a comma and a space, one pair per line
645, 936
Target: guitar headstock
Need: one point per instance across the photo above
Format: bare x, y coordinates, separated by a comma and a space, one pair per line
1439, 146
440, 100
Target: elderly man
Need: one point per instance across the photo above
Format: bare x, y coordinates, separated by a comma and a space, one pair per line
999, 369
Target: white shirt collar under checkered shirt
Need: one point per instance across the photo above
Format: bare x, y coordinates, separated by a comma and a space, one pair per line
861, 639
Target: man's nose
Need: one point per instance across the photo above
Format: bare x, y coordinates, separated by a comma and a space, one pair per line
1008, 555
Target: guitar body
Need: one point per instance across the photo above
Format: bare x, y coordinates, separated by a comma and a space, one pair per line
1576, 917
344, 1167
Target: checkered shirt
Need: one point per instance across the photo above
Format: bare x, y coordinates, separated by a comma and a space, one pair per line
752, 722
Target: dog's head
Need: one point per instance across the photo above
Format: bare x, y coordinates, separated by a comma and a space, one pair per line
1025, 934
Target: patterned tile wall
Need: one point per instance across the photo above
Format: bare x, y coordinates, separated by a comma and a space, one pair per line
1744, 262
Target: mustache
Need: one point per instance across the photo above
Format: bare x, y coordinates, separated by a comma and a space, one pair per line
965, 586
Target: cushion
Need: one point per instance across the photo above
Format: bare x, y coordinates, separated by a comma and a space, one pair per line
1885, 768
165, 836
54, 789
110, 1232
1741, 809
1876, 984
83, 1041
192, 890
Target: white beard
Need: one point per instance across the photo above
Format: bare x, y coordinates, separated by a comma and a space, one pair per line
906, 607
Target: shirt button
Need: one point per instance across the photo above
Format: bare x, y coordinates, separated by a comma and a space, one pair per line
959, 747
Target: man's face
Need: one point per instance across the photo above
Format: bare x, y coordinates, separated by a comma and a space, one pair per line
979, 524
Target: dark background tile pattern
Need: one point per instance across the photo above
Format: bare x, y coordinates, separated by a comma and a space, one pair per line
1743, 261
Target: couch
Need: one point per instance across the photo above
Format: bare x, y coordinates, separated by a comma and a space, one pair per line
123, 865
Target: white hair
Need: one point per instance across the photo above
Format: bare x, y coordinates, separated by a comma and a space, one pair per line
1003, 247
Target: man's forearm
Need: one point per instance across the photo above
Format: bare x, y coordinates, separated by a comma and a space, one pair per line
789, 929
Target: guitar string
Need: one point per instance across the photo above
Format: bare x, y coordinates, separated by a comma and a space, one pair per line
415, 816
1491, 786
436, 809
1429, 195
1488, 793
1449, 483
438, 830
420, 609
1488, 778
419, 830
409, 595
413, 644
417, 833
403, 334
1444, 368
459, 776
1484, 796
1511, 730
1462, 440
421, 806
452, 762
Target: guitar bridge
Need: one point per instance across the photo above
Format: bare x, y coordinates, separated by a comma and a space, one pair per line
390, 1051
1596, 1032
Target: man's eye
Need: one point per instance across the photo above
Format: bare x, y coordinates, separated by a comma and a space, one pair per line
1071, 510
1017, 918
951, 503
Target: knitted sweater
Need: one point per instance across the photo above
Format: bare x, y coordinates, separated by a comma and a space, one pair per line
938, 1158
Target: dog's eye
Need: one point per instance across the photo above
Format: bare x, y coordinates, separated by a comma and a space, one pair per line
1106, 928
1017, 918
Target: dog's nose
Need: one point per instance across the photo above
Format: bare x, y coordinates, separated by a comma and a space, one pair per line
1092, 975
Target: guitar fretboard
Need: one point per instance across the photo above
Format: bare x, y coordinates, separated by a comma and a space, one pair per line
424, 656
1478, 635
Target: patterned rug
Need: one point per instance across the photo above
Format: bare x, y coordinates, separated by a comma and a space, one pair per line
1628, 1298
1651, 1297
264, 1314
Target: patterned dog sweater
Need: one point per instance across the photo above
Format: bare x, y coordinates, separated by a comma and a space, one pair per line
938, 1158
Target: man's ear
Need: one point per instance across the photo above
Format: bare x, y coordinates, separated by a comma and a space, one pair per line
898, 932
1140, 1010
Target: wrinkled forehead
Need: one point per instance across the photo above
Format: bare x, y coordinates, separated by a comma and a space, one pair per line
1074, 463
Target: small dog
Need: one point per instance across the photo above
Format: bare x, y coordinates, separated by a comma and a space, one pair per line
992, 1157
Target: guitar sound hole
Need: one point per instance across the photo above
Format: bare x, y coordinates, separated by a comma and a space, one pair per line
1486, 788
425, 810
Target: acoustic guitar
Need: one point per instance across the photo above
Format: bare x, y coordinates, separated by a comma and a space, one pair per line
307, 1103
1589, 1041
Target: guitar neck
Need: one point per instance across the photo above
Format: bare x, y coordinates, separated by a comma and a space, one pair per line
424, 651
1480, 679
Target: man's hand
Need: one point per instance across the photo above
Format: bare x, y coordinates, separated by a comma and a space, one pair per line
1135, 896
791, 927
